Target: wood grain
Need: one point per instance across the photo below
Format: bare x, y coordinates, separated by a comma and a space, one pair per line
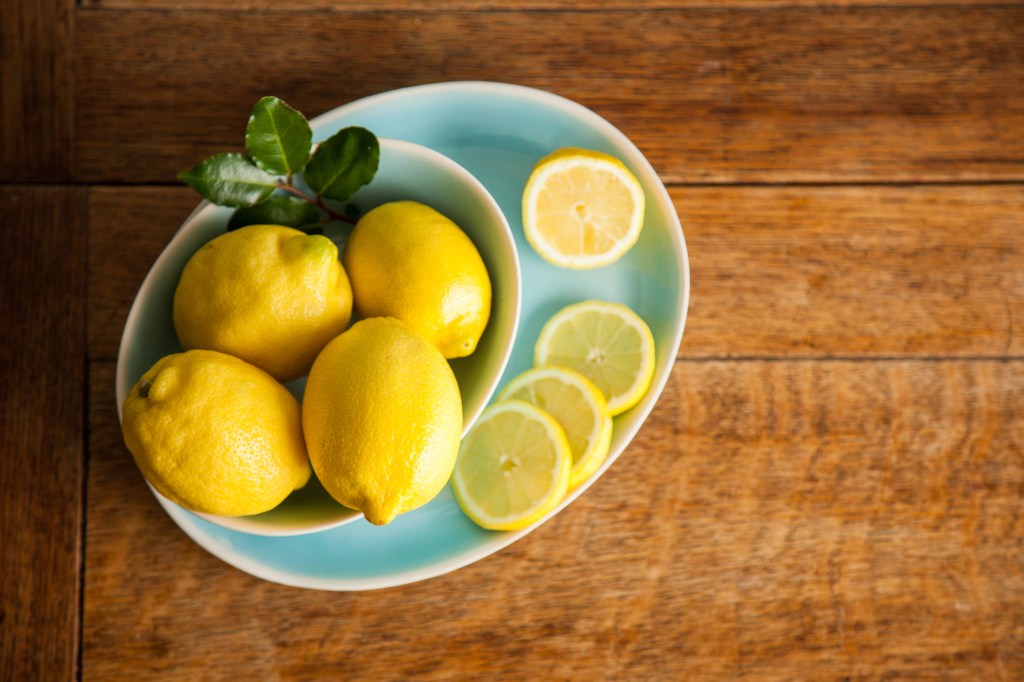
42, 414
129, 227
832, 485
379, 5
36, 90
790, 94
867, 271
773, 520
797, 272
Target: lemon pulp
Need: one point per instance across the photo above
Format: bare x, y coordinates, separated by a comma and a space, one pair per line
582, 208
513, 467
579, 408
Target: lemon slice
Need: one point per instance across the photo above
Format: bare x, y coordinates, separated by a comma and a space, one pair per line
577, 405
513, 466
607, 343
582, 209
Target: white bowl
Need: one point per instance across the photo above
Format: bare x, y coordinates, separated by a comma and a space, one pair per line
407, 171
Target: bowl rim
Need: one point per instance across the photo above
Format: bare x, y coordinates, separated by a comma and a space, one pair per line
508, 253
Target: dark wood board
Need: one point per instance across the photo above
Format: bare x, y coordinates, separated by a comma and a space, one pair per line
436, 5
42, 429
793, 94
37, 92
831, 486
772, 520
798, 271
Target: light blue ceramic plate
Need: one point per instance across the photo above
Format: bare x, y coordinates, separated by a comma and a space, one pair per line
497, 132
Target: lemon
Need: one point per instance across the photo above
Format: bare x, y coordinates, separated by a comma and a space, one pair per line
215, 434
513, 467
408, 261
382, 418
607, 343
582, 209
579, 408
268, 294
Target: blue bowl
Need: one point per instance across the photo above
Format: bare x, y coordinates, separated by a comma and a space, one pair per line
407, 171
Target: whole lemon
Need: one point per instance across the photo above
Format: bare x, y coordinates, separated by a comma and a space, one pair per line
215, 434
268, 294
382, 417
408, 261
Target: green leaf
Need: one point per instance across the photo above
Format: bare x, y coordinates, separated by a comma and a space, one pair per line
230, 180
343, 163
278, 137
277, 210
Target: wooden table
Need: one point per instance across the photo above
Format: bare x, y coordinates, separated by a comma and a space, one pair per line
832, 485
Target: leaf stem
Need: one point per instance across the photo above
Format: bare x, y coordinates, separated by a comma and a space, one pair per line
318, 201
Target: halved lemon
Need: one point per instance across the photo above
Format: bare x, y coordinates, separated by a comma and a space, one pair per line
607, 343
577, 405
513, 466
582, 209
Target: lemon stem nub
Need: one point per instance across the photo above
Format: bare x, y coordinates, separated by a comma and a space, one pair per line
144, 388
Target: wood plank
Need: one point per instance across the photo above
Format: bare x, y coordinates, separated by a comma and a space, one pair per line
36, 90
42, 415
722, 96
129, 227
871, 271
380, 5
796, 272
773, 520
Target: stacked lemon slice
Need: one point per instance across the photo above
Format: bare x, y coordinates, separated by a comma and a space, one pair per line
551, 427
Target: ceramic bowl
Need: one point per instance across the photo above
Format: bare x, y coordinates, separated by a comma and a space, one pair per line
407, 171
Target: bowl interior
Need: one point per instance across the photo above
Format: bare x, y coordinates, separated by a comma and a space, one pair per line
407, 171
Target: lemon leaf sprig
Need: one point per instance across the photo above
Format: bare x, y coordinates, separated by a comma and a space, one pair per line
230, 179
262, 185
278, 137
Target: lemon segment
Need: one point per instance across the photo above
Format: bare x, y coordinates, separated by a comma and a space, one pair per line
215, 434
605, 342
579, 408
582, 209
513, 467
